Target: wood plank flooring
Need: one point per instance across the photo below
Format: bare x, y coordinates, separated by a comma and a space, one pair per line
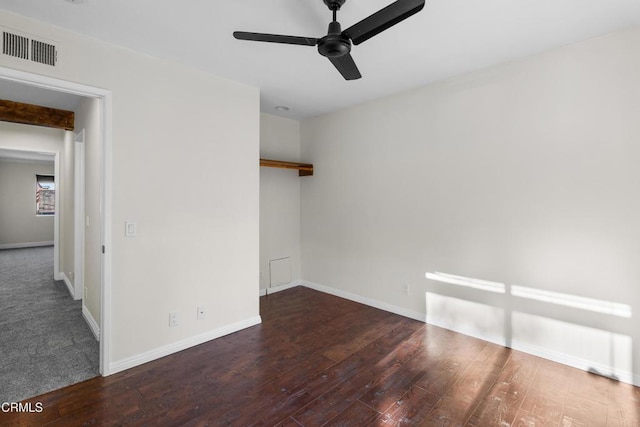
320, 360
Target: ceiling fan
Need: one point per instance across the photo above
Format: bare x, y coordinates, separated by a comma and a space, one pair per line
336, 45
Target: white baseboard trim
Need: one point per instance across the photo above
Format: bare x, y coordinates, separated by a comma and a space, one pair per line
366, 301
166, 350
495, 339
93, 325
271, 290
67, 282
25, 245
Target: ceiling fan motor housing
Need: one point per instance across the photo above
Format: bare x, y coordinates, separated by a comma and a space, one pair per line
334, 44
334, 4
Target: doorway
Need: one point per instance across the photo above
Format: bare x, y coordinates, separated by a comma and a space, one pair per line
102, 98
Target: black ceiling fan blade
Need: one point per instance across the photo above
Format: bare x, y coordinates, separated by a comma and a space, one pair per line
346, 65
275, 38
382, 20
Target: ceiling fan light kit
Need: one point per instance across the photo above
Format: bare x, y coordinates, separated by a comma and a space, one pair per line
336, 45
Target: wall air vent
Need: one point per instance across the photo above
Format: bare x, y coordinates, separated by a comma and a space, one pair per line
44, 53
23, 47
15, 45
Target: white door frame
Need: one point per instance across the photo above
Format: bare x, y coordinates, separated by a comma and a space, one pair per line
104, 96
57, 274
78, 215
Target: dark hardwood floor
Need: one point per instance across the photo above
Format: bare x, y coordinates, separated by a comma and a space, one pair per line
321, 360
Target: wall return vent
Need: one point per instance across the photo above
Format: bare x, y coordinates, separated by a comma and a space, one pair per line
29, 49
15, 45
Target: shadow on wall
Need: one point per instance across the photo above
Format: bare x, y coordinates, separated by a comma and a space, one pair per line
589, 334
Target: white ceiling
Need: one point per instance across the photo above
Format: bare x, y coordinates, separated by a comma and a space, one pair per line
31, 156
19, 92
448, 38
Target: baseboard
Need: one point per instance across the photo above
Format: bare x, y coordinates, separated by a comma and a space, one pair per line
495, 339
366, 301
157, 353
67, 282
25, 245
274, 289
93, 325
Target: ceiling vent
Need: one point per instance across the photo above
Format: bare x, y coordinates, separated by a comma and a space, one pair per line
24, 47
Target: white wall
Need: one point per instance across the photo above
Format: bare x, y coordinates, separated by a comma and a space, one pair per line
67, 231
87, 118
279, 202
19, 224
184, 152
523, 174
33, 138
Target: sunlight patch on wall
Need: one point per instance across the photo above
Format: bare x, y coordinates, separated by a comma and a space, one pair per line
573, 301
591, 349
484, 285
606, 352
471, 318
567, 300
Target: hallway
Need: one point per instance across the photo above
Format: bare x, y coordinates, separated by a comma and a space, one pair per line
46, 343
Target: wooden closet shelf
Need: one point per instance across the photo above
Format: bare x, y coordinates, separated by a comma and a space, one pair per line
304, 169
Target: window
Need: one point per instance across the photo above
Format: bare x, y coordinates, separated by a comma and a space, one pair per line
45, 195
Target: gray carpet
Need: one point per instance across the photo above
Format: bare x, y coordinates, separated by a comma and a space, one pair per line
45, 343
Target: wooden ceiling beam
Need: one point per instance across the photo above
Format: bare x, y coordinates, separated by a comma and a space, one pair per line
28, 114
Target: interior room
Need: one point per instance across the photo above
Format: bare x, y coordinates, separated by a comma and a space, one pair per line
436, 224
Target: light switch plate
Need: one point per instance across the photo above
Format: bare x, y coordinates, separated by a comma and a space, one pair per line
130, 229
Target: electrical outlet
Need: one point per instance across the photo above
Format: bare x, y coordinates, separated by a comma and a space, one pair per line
202, 312
173, 319
405, 288
86, 292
